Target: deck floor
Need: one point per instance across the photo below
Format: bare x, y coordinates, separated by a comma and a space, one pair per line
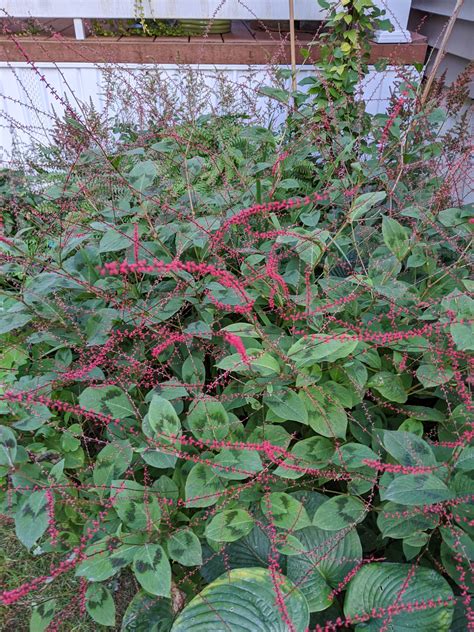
246, 44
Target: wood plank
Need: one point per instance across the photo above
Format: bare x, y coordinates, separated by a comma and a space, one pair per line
173, 50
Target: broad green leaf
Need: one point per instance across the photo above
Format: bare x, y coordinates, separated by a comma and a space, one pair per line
325, 416
114, 240
136, 507
313, 453
364, 203
430, 375
162, 420
8, 446
326, 560
351, 456
111, 462
148, 613
100, 604
306, 352
152, 569
185, 547
389, 386
42, 615
244, 599
203, 486
107, 400
13, 320
395, 237
142, 175
339, 512
209, 421
380, 585
193, 372
463, 335
416, 489
237, 465
31, 518
229, 525
103, 560
285, 511
287, 405
408, 449
393, 521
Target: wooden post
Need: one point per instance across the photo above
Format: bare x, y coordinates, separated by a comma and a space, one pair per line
292, 45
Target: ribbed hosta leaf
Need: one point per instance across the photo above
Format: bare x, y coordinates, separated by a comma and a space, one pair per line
327, 559
244, 600
381, 585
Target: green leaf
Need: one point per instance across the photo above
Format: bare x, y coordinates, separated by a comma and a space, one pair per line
209, 421
430, 375
285, 511
42, 615
152, 569
416, 489
463, 335
244, 599
287, 405
185, 547
114, 240
13, 320
111, 462
237, 465
380, 585
389, 386
31, 518
395, 237
140, 511
8, 446
325, 416
203, 486
339, 512
100, 604
407, 448
320, 347
147, 613
107, 400
229, 525
326, 560
393, 525
275, 93
364, 203
162, 420
312, 453
142, 175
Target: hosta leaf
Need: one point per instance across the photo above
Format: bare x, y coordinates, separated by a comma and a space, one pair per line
203, 486
31, 518
339, 512
287, 405
286, 512
380, 585
185, 547
100, 604
229, 525
416, 489
327, 559
244, 599
208, 420
152, 569
107, 400
148, 613
138, 510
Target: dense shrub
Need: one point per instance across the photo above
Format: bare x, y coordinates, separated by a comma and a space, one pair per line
235, 369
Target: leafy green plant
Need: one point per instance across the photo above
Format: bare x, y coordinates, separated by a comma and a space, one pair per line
238, 372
